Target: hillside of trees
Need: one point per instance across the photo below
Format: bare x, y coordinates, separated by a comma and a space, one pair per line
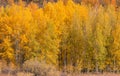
71, 37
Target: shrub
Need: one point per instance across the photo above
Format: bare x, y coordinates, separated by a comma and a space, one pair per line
8, 68
40, 68
24, 74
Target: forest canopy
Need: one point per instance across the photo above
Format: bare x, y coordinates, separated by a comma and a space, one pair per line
72, 37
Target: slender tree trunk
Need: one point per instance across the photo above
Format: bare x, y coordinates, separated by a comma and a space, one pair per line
96, 67
65, 63
114, 65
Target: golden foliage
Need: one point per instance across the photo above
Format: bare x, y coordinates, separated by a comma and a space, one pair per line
67, 34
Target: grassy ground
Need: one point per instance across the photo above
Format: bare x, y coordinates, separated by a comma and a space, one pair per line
100, 75
107, 74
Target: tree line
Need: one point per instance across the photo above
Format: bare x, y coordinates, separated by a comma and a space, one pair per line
116, 3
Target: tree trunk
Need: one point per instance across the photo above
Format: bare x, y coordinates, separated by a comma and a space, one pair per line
96, 67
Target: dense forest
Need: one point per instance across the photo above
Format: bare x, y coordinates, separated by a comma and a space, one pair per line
73, 36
